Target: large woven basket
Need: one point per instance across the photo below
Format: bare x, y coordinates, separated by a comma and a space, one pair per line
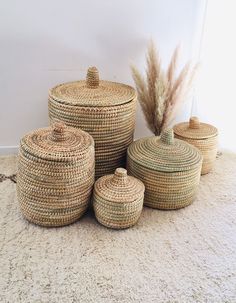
106, 110
55, 174
201, 135
118, 199
169, 168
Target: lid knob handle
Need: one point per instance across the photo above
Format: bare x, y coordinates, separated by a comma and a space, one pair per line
92, 79
194, 122
167, 136
120, 175
58, 131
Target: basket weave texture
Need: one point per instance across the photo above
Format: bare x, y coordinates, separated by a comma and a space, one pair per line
55, 174
201, 135
169, 168
106, 110
118, 199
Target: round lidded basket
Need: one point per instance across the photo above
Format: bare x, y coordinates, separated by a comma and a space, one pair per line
106, 110
201, 135
118, 199
169, 168
55, 174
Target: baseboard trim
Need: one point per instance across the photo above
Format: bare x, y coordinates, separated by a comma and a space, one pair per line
9, 150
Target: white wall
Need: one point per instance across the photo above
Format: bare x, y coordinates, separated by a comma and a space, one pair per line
216, 98
44, 43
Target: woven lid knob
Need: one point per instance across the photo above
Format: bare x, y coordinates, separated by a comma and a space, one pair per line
120, 175
194, 122
58, 131
167, 136
92, 79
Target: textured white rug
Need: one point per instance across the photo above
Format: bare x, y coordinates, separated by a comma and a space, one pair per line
169, 256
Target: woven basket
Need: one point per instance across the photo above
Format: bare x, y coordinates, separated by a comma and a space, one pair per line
169, 168
55, 175
106, 110
118, 199
201, 135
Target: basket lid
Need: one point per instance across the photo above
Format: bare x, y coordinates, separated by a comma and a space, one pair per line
92, 92
57, 142
119, 187
165, 153
194, 129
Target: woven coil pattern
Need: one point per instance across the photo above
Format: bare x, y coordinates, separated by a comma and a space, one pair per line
169, 168
55, 175
106, 110
201, 135
118, 200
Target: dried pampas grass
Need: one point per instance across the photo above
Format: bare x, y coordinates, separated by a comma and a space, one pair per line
162, 93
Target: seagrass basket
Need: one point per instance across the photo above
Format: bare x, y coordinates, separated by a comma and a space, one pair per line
169, 168
118, 199
201, 135
106, 110
55, 174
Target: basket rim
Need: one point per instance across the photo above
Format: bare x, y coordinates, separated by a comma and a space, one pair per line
39, 143
171, 168
109, 94
205, 131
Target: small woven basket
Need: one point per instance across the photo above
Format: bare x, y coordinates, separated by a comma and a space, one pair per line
55, 175
106, 110
118, 199
169, 168
201, 135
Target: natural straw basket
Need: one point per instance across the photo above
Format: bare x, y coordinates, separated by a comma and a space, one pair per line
118, 199
169, 168
201, 135
55, 174
106, 110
